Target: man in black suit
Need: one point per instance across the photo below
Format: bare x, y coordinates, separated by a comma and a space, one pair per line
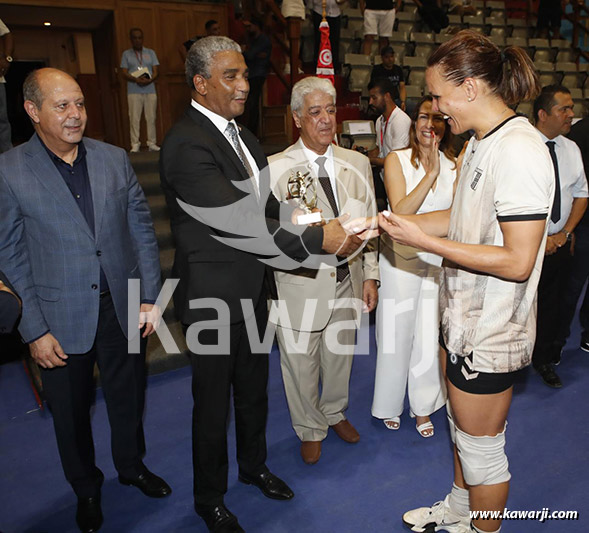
580, 260
205, 162
9, 305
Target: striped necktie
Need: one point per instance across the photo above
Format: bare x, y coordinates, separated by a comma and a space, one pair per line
343, 270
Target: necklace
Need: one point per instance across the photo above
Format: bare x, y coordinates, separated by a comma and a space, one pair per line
497, 123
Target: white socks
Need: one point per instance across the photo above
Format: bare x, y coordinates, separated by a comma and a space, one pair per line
458, 501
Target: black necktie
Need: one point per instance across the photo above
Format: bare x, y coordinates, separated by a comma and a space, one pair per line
342, 270
555, 215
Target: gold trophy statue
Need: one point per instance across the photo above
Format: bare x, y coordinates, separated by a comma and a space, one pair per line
303, 189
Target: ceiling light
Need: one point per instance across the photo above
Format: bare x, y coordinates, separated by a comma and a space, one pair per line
46, 23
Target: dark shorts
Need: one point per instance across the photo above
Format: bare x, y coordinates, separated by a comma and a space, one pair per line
549, 14
460, 372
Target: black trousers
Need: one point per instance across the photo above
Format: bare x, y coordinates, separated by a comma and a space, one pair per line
551, 288
70, 392
213, 376
434, 16
578, 277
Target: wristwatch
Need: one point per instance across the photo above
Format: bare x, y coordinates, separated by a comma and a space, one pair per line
567, 234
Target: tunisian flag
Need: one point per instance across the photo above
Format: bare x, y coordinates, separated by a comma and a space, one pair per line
325, 62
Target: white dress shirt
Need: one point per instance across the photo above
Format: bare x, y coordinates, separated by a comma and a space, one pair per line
392, 134
571, 173
221, 124
329, 167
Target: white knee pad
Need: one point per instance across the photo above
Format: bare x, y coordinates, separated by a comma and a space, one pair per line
451, 422
483, 459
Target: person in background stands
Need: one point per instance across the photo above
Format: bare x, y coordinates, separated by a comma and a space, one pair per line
293, 9
553, 113
392, 125
74, 229
394, 73
549, 18
6, 51
580, 267
139, 66
433, 14
379, 20
211, 28
257, 53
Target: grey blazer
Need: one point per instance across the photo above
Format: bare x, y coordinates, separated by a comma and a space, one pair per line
50, 254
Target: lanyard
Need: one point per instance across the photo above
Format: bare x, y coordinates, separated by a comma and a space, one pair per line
139, 57
383, 129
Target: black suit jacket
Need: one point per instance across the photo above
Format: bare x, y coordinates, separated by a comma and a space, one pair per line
9, 307
580, 134
198, 166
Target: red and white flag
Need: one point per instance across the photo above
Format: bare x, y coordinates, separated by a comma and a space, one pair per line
325, 61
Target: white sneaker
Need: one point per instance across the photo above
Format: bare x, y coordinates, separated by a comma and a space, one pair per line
153, 147
135, 148
438, 517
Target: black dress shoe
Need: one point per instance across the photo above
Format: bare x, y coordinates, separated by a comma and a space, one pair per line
218, 518
271, 486
584, 345
148, 483
89, 514
549, 376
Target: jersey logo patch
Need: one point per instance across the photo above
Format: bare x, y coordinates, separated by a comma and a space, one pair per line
467, 369
477, 176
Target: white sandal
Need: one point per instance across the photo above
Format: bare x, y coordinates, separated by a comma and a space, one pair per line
426, 426
392, 423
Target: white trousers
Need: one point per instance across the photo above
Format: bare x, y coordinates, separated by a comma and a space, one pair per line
137, 104
407, 326
302, 369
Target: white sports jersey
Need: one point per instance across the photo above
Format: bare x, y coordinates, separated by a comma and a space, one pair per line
506, 176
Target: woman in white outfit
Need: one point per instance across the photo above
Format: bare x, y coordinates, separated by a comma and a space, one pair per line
418, 179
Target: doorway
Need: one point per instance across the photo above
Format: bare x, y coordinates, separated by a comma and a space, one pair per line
22, 129
79, 41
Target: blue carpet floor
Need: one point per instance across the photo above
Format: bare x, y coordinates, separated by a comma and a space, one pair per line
353, 489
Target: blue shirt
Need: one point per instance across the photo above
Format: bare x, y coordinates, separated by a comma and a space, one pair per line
133, 60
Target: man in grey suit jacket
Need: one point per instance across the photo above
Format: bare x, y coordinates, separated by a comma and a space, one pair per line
344, 185
74, 228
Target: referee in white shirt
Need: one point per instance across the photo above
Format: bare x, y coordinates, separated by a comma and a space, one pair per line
553, 112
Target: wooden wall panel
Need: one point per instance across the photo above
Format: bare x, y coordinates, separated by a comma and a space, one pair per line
177, 26
91, 89
166, 25
178, 98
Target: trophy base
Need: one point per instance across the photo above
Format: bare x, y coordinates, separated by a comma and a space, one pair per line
309, 218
